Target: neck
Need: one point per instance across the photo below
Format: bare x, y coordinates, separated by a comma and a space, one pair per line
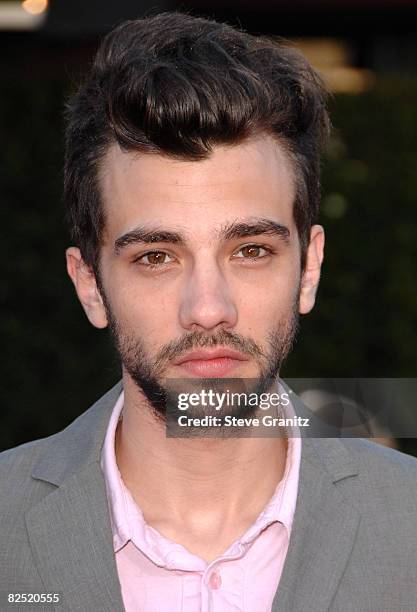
208, 484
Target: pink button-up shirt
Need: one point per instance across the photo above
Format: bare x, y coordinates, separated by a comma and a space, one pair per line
157, 574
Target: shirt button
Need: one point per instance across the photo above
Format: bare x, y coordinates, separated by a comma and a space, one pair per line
215, 581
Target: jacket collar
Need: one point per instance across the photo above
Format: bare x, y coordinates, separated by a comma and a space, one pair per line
67, 452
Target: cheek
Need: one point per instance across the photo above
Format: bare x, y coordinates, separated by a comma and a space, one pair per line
258, 315
270, 299
146, 314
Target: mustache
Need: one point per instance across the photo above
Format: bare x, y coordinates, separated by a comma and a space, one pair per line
224, 338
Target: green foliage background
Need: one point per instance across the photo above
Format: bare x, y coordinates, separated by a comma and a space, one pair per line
364, 324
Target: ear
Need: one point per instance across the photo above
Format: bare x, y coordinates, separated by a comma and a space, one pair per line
311, 275
85, 284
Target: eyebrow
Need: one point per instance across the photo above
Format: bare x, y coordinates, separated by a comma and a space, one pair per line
230, 231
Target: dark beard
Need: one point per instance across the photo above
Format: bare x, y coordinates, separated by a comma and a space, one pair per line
162, 393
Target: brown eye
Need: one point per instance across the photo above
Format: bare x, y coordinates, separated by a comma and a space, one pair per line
153, 258
252, 251
156, 258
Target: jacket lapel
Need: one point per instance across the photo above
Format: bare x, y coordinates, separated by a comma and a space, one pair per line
70, 535
69, 529
323, 532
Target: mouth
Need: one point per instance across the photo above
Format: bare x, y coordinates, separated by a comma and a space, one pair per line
213, 363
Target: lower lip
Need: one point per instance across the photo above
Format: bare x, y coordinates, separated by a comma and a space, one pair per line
210, 367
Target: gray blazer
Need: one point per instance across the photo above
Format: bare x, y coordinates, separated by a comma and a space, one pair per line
353, 546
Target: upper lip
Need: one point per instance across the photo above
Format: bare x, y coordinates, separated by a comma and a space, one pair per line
210, 354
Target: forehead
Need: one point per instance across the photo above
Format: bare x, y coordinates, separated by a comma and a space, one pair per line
255, 178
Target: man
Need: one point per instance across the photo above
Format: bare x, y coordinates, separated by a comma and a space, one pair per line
192, 188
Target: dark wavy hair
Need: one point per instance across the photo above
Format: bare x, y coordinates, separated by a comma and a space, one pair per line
179, 85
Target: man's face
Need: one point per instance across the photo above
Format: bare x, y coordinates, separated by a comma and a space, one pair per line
200, 256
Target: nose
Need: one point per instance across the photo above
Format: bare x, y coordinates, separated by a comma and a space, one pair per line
206, 301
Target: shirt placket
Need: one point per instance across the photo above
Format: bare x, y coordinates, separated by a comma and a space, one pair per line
216, 585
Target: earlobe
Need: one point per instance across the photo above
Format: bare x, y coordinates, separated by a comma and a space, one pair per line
85, 285
311, 274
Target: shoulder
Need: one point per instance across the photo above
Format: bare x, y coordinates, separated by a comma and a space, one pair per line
33, 469
18, 490
364, 456
17, 462
381, 462
83, 435
378, 480
20, 457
